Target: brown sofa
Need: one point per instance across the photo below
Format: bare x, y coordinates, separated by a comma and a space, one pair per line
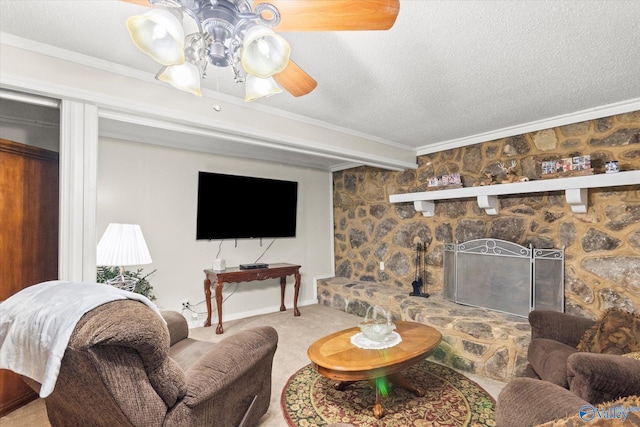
124, 367
526, 402
563, 379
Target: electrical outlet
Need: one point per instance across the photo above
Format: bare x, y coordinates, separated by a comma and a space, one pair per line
185, 304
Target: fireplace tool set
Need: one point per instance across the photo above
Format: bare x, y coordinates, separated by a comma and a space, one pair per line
418, 283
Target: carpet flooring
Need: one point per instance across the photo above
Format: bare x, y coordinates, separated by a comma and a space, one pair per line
295, 334
450, 400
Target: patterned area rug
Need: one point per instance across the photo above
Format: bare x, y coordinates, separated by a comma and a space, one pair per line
451, 399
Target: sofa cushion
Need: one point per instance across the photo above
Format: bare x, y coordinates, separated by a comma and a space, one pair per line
599, 378
548, 358
591, 418
558, 326
525, 402
187, 351
177, 326
616, 332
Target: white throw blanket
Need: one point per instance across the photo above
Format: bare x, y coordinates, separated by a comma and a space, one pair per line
37, 322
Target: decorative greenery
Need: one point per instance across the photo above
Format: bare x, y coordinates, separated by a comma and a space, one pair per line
143, 286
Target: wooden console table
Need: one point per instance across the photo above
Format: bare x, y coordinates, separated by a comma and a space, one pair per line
236, 275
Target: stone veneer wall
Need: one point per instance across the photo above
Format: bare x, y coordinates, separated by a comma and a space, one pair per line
602, 258
475, 340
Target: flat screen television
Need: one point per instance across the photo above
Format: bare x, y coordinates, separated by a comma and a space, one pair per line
242, 207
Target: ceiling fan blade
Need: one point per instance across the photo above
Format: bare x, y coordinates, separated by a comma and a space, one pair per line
328, 15
334, 15
295, 80
138, 2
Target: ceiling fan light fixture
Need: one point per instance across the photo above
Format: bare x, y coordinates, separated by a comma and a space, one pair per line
256, 87
159, 34
185, 77
240, 34
265, 53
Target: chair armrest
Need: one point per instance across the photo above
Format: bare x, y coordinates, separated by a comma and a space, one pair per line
599, 378
558, 326
529, 402
245, 359
177, 325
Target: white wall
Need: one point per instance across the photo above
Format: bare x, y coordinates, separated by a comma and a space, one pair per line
156, 187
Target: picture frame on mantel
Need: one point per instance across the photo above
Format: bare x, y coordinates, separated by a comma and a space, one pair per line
566, 167
444, 182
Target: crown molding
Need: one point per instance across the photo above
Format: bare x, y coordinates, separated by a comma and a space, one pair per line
552, 122
347, 165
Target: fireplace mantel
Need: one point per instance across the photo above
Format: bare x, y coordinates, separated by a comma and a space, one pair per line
575, 188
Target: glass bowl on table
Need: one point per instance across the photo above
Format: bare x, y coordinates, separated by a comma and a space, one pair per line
377, 325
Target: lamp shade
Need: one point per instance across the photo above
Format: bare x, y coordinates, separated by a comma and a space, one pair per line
121, 245
159, 34
255, 87
265, 53
184, 77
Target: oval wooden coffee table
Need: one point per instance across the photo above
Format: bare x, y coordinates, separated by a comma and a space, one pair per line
335, 357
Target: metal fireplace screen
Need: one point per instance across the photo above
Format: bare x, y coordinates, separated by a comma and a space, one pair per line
504, 276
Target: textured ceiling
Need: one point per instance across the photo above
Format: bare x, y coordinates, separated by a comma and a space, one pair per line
446, 71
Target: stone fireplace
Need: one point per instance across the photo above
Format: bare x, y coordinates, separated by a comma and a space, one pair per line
504, 276
601, 246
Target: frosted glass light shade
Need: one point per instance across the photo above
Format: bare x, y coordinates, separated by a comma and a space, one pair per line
184, 77
255, 87
159, 34
265, 53
122, 245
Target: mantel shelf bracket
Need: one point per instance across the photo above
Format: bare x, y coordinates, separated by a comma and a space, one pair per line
490, 204
426, 207
577, 198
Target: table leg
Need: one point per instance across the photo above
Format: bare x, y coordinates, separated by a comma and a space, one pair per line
207, 298
219, 329
341, 385
402, 381
379, 384
296, 288
283, 284
378, 411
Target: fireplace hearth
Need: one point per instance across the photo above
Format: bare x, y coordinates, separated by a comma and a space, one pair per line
504, 276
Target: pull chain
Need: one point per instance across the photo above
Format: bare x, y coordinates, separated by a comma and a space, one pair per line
217, 107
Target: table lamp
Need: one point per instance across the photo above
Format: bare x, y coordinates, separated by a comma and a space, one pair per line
122, 245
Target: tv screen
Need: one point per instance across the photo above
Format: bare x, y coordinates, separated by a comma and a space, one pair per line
241, 207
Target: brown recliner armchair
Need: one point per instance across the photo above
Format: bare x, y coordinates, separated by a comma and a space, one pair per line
124, 367
562, 379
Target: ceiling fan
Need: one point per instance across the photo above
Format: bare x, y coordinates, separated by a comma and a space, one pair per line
244, 36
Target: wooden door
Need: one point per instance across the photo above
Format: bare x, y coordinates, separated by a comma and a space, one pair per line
29, 194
